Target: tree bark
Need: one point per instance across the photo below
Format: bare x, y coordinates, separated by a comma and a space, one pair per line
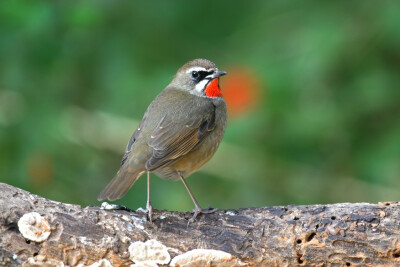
348, 234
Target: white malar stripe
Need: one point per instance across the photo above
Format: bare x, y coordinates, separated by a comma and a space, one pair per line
201, 85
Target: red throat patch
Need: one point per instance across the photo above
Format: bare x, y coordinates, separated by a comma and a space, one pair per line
212, 89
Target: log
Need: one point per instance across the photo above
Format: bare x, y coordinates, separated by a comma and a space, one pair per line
35, 231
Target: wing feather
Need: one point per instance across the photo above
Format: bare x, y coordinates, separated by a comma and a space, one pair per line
132, 141
174, 138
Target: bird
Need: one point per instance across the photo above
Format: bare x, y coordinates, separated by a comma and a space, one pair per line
179, 133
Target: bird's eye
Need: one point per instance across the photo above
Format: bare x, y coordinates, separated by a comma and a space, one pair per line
195, 74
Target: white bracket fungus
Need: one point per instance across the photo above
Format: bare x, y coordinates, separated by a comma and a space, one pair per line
149, 253
34, 227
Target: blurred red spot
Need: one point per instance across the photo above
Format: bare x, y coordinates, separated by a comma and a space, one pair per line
241, 91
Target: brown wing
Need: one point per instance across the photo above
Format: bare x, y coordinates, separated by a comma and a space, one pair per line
133, 140
175, 136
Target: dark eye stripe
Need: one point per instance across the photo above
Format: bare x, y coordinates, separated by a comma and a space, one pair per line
202, 75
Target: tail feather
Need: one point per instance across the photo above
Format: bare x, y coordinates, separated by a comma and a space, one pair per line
120, 184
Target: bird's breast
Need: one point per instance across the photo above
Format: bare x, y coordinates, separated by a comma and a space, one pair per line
195, 159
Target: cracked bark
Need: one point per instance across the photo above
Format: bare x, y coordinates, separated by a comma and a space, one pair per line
348, 234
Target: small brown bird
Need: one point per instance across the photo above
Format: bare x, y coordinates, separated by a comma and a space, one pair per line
180, 132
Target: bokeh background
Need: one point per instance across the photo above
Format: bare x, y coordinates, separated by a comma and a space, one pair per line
313, 93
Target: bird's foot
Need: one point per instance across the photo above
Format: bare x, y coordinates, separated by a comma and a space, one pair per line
148, 213
199, 210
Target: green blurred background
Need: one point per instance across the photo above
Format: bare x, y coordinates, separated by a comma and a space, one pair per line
313, 92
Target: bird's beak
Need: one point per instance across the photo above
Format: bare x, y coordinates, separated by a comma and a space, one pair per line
216, 74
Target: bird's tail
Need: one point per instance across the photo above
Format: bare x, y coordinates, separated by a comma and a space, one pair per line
120, 184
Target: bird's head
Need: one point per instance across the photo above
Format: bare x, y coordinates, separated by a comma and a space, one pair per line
200, 77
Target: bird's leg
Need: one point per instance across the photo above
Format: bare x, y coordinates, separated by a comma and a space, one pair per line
149, 208
197, 210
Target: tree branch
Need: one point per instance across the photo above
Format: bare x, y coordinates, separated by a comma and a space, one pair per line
316, 235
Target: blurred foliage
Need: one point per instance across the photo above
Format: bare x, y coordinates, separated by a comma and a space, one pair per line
320, 82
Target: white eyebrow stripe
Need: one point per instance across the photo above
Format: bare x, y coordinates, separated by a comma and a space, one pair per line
198, 69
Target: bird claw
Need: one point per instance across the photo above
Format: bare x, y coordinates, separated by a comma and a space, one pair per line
148, 212
208, 210
198, 211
